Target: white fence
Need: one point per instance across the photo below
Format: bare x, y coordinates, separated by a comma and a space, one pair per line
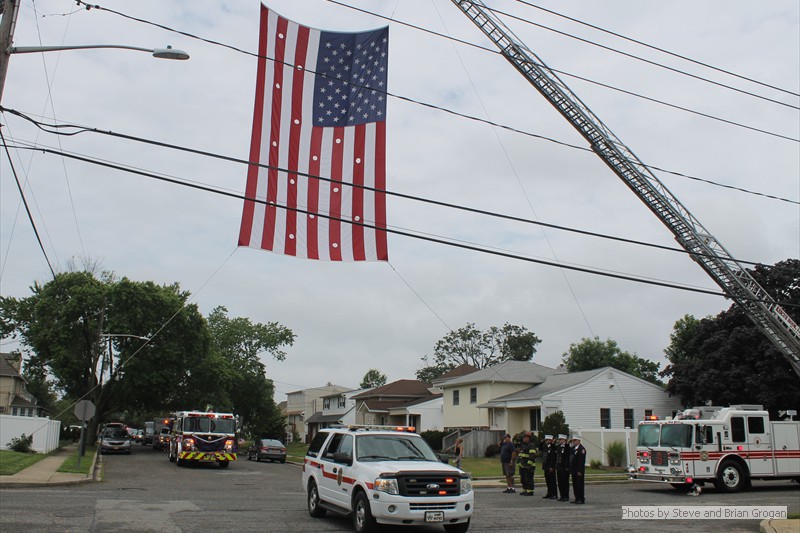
45, 431
596, 442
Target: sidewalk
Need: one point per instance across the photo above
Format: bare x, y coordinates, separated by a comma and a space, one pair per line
45, 471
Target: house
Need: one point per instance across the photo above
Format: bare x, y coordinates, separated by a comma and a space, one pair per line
15, 400
604, 404
463, 394
461, 370
603, 398
337, 409
406, 402
301, 405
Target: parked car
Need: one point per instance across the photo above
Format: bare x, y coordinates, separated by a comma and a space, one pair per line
271, 449
138, 436
115, 440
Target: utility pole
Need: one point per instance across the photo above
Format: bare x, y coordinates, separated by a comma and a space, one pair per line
7, 25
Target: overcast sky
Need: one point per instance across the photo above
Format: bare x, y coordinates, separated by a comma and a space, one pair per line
351, 317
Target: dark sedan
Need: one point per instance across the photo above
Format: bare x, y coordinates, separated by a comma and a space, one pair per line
270, 449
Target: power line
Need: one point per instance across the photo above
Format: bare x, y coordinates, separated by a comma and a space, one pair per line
639, 58
84, 129
404, 233
662, 50
438, 34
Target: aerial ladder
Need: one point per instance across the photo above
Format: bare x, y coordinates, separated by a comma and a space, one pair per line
704, 248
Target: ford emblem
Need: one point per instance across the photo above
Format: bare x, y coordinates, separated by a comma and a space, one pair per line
432, 486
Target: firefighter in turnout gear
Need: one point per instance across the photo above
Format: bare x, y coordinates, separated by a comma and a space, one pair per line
549, 465
562, 468
577, 467
525, 457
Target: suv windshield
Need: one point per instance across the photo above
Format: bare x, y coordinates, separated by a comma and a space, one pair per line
115, 433
393, 448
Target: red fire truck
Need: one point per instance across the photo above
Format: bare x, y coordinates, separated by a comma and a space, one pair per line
727, 446
203, 437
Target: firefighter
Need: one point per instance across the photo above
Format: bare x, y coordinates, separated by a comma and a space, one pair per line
549, 465
577, 468
562, 467
526, 455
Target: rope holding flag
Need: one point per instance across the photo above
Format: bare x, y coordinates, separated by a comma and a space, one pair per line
320, 112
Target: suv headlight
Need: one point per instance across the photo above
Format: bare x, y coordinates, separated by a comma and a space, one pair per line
387, 485
465, 485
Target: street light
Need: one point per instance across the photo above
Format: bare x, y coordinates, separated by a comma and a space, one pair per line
160, 53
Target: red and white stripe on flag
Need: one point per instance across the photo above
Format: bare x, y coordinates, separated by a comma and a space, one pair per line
319, 112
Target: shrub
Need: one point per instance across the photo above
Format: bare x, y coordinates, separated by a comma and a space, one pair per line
595, 463
492, 450
21, 444
434, 438
616, 453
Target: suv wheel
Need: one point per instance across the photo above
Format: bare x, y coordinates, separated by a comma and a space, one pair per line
363, 521
457, 528
313, 501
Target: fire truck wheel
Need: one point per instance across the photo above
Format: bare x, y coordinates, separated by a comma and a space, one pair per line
224, 464
179, 461
730, 477
363, 521
313, 501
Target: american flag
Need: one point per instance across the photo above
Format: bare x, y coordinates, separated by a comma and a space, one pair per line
320, 111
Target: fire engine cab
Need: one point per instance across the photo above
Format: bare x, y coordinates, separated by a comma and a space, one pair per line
198, 436
728, 446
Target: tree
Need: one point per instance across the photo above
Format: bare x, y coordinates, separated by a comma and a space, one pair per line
66, 324
554, 424
236, 346
373, 378
726, 360
479, 349
589, 354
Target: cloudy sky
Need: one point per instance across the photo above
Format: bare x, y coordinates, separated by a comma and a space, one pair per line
349, 317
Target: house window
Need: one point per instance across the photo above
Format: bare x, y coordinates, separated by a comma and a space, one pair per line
326, 403
628, 418
605, 418
536, 419
14, 411
473, 395
455, 397
341, 402
648, 412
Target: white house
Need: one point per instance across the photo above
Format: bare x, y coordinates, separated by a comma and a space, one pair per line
337, 409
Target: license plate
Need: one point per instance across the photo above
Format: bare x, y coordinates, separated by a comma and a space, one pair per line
434, 516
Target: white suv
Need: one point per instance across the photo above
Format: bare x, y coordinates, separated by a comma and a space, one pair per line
382, 476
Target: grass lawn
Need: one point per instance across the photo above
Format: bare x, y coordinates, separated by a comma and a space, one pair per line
12, 462
71, 464
295, 451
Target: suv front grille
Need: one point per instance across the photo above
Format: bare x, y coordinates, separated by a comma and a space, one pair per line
428, 484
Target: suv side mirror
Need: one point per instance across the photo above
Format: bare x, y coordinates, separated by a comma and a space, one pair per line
343, 458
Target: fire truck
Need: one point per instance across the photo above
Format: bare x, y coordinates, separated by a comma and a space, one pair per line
203, 437
727, 446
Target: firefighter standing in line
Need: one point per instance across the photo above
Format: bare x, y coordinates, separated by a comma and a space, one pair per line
562, 467
549, 465
525, 457
577, 467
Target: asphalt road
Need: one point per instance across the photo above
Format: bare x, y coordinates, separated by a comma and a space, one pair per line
145, 492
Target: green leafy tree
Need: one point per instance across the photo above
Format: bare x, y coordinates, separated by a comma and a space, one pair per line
373, 378
726, 359
594, 353
237, 347
479, 349
80, 329
554, 424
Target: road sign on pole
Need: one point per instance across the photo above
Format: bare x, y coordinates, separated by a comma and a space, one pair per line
84, 410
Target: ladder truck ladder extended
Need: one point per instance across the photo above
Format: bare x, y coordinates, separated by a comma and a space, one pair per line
703, 247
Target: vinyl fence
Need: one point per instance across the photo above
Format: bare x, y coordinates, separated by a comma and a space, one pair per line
44, 430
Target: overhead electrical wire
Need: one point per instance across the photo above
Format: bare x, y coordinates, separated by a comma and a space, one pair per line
402, 232
54, 129
638, 58
657, 48
444, 36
